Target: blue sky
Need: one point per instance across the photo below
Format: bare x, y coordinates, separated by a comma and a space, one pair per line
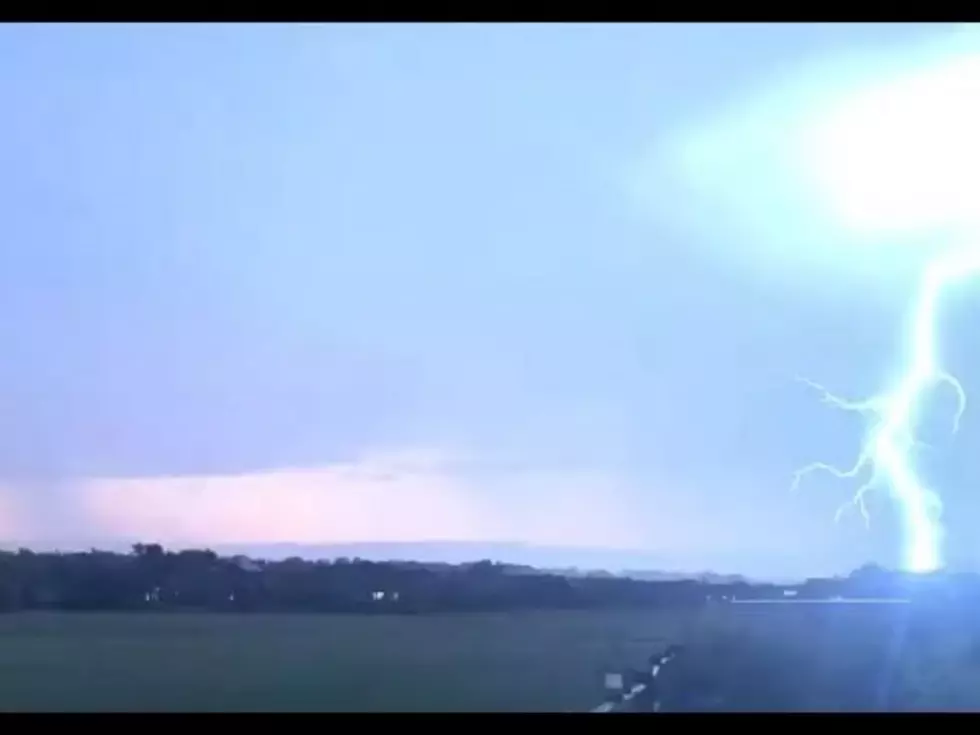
432, 271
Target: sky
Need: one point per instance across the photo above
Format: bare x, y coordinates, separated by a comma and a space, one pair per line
329, 284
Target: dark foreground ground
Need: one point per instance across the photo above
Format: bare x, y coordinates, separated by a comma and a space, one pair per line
737, 657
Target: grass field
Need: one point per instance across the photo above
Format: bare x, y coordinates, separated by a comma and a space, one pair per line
752, 657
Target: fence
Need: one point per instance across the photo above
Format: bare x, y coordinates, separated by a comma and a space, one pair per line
637, 691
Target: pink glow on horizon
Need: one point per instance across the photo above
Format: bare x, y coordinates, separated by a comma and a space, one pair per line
344, 503
401, 497
11, 518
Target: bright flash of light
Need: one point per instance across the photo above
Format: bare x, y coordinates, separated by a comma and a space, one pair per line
887, 452
903, 158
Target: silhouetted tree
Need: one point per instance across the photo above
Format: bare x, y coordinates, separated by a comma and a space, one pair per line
151, 577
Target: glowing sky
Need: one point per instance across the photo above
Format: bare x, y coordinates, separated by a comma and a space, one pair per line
320, 284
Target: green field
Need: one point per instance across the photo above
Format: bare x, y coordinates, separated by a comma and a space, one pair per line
771, 657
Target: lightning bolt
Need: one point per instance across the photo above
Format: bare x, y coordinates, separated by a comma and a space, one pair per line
886, 454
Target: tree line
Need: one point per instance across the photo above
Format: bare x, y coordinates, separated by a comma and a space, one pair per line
153, 578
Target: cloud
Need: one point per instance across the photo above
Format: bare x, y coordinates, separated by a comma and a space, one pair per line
424, 494
12, 521
401, 496
585, 508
